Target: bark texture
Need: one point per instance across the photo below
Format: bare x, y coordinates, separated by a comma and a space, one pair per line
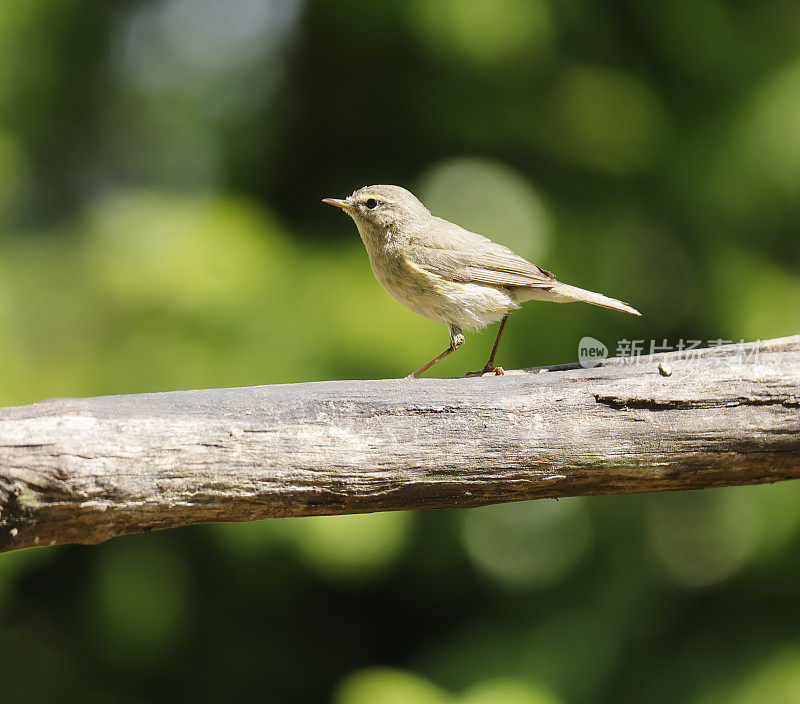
85, 470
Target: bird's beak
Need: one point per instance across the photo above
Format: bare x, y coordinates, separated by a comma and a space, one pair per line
344, 204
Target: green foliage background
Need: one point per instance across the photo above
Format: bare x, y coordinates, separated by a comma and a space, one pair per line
161, 166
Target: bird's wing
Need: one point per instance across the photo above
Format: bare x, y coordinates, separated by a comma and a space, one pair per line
459, 255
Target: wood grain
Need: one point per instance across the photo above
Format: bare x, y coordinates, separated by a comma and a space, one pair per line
85, 470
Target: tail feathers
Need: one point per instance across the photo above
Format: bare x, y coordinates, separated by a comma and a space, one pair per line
573, 293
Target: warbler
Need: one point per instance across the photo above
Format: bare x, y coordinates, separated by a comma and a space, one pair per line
448, 274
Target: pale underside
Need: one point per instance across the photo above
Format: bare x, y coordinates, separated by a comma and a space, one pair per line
460, 278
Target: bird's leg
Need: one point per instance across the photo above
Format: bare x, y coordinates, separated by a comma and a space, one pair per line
456, 340
489, 366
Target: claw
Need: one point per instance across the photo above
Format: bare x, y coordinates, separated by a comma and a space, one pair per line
486, 370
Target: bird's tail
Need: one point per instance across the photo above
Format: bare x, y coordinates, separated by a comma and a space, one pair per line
567, 293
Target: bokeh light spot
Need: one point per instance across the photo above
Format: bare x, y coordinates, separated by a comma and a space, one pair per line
196, 44
485, 33
606, 119
507, 691
755, 173
490, 198
193, 254
774, 678
527, 544
701, 538
769, 133
388, 686
352, 548
771, 309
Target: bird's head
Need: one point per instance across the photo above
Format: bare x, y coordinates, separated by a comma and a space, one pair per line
381, 206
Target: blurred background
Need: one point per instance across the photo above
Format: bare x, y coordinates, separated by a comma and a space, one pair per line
161, 169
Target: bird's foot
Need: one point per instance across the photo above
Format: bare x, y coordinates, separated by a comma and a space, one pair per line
488, 369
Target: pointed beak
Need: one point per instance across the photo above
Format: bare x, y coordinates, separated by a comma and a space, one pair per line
344, 204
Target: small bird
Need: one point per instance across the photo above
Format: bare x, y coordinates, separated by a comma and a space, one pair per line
448, 274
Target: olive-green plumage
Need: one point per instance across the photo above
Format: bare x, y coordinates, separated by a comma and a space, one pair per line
449, 274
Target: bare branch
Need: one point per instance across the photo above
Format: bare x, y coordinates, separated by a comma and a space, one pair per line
85, 470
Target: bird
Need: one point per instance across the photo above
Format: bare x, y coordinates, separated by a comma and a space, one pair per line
448, 274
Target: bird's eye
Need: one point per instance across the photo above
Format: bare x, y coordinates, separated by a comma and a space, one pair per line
371, 203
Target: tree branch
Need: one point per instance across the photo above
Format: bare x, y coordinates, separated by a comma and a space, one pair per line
85, 470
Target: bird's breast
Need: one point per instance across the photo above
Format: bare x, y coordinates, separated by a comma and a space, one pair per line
402, 279
464, 305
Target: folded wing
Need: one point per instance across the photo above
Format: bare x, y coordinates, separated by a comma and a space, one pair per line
456, 254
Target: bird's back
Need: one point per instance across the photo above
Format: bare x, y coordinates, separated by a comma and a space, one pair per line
453, 253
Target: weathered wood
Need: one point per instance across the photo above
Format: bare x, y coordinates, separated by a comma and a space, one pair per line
85, 470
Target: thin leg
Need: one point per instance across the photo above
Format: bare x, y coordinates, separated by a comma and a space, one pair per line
419, 371
456, 340
489, 366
